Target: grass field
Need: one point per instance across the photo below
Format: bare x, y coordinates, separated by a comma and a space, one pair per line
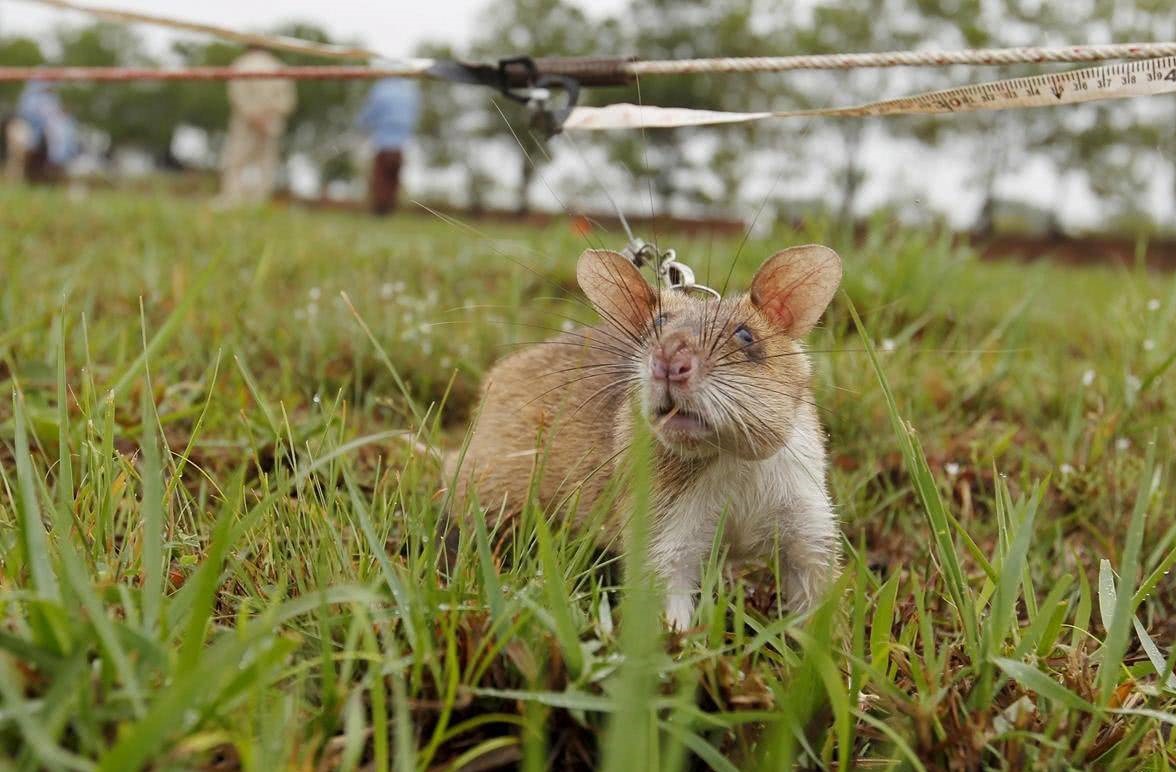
218, 544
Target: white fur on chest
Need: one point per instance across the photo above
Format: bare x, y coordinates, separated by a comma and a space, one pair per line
763, 506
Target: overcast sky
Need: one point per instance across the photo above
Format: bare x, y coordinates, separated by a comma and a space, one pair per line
393, 27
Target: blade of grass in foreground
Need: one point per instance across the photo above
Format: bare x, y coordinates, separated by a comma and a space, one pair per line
31, 727
191, 691
1002, 619
379, 549
630, 740
169, 328
34, 539
559, 599
1119, 630
945, 551
65, 489
152, 532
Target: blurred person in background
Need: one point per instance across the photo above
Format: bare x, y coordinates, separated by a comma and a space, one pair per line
17, 143
259, 110
388, 118
42, 138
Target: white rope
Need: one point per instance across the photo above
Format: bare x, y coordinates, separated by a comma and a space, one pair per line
989, 56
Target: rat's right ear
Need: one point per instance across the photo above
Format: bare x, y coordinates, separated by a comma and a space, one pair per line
616, 288
793, 287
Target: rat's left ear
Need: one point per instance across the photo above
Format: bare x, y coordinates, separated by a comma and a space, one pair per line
793, 288
616, 288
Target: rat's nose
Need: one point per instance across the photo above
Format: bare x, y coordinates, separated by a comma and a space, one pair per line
682, 365
675, 367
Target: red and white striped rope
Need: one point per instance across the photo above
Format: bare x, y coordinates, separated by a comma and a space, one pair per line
276, 42
410, 69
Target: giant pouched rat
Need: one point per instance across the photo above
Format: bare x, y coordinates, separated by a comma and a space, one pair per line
724, 387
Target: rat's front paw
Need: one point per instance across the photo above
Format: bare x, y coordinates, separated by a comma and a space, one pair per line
805, 586
679, 610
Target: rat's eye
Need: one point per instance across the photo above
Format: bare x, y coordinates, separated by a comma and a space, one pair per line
659, 321
744, 336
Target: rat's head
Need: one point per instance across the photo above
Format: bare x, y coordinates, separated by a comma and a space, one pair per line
717, 376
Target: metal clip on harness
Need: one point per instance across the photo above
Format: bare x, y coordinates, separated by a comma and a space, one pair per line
671, 273
537, 92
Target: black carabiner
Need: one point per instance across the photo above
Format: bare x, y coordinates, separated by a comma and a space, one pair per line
553, 118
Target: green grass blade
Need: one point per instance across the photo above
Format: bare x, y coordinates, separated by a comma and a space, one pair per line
152, 532
65, 474
1037, 681
196, 688
559, 600
630, 739
258, 397
169, 328
34, 539
32, 730
379, 549
1119, 629
1002, 620
204, 586
883, 621
945, 552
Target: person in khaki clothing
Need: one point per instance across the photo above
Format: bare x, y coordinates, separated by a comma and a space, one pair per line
259, 111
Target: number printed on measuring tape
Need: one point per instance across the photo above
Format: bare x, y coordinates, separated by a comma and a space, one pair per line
1117, 81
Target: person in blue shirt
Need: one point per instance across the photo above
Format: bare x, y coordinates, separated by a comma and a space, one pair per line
51, 135
389, 117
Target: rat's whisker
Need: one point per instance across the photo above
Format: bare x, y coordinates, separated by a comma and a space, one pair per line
566, 384
566, 317
720, 364
752, 393
584, 346
604, 389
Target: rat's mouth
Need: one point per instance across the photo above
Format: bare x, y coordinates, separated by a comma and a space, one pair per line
673, 419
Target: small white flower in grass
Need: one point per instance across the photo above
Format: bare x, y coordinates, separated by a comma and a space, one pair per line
888, 344
1066, 470
311, 310
1088, 377
1153, 304
1149, 344
387, 290
1122, 444
317, 399
1133, 382
314, 293
568, 325
952, 469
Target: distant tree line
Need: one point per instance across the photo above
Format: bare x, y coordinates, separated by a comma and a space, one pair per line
469, 135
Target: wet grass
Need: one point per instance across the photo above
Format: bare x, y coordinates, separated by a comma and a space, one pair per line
218, 543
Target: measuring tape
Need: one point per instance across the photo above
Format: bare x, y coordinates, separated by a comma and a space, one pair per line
1117, 81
